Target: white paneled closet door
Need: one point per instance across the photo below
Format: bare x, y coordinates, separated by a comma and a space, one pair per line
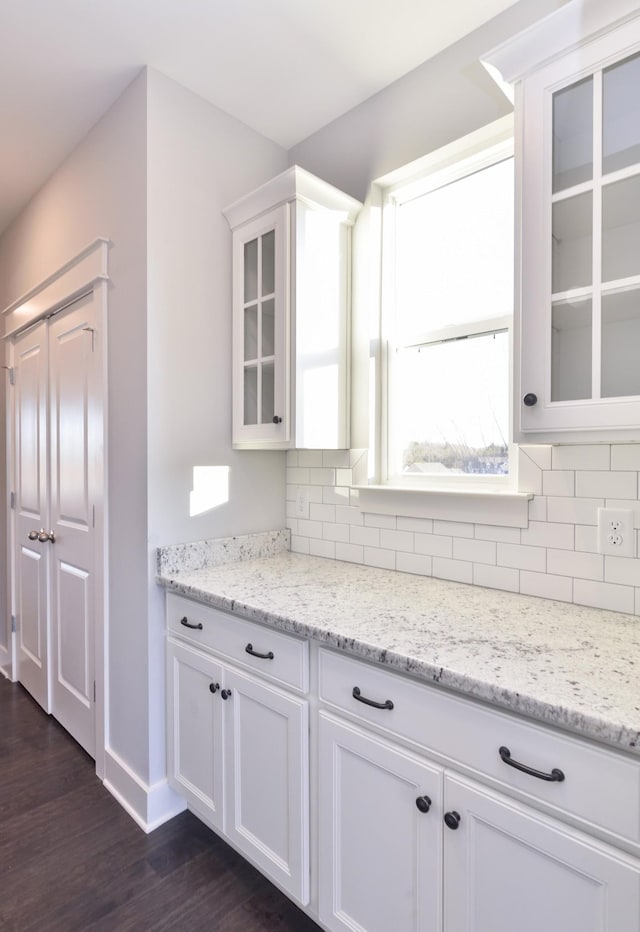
59, 449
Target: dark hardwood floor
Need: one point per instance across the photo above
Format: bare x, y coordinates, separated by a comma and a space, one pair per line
72, 859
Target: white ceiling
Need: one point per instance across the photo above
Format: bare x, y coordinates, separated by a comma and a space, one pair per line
284, 67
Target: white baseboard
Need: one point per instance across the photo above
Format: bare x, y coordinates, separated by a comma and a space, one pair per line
149, 806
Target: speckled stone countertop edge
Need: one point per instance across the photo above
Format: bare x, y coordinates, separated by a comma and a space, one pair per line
601, 730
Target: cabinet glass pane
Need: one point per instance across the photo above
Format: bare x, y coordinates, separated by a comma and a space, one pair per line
268, 263
251, 395
251, 270
621, 344
267, 393
251, 332
268, 324
573, 135
621, 229
571, 351
572, 235
621, 115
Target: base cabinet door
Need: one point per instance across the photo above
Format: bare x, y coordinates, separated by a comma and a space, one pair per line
195, 730
267, 779
380, 834
508, 868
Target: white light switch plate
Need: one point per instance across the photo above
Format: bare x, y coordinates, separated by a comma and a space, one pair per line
616, 535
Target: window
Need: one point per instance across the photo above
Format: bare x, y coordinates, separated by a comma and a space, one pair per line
448, 271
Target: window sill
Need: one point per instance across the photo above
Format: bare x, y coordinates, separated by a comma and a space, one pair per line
499, 508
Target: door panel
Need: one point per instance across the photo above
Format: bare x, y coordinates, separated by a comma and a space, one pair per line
31, 465
74, 408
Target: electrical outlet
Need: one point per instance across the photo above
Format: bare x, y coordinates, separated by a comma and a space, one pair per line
615, 532
302, 503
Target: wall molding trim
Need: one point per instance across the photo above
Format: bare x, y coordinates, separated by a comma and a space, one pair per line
148, 805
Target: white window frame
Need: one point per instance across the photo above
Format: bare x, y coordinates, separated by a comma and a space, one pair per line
487, 499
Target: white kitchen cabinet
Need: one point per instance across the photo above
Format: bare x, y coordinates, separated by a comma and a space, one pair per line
577, 333
238, 745
380, 833
291, 297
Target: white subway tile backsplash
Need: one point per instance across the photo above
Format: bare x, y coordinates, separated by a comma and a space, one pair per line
414, 563
629, 504
356, 456
309, 528
637, 608
546, 586
607, 484
354, 497
310, 458
547, 534
388, 521
337, 532
290, 509
299, 544
496, 577
454, 528
455, 570
297, 476
292, 525
574, 510
291, 458
625, 456
570, 563
523, 557
290, 492
351, 553
333, 495
347, 514
434, 545
344, 477
538, 508
385, 559
422, 525
540, 453
367, 536
586, 538
397, 540
559, 482
338, 459
314, 494
322, 548
506, 535
604, 595
581, 456
322, 476
322, 512
476, 551
624, 570
529, 474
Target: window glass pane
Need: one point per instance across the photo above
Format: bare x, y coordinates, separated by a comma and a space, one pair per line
573, 135
621, 344
251, 270
571, 351
621, 115
251, 395
572, 237
267, 393
268, 327
621, 229
251, 332
450, 412
268, 263
454, 253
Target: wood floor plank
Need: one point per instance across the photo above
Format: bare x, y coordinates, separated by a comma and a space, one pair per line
72, 860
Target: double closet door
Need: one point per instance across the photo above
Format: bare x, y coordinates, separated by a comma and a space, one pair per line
58, 466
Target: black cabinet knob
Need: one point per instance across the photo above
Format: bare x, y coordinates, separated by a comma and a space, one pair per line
214, 687
452, 819
225, 693
276, 419
423, 803
530, 400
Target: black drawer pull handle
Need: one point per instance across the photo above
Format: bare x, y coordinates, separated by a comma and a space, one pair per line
254, 653
214, 687
187, 624
423, 803
556, 776
225, 693
387, 704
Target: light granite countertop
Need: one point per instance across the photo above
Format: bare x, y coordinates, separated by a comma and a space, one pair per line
573, 667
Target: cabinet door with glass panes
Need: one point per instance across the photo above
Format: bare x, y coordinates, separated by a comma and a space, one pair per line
260, 331
579, 345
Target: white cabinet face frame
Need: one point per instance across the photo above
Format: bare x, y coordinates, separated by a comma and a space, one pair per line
549, 221
261, 332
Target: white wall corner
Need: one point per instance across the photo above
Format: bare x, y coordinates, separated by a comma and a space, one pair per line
149, 806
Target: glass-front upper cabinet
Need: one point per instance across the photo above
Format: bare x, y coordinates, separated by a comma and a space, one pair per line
578, 162
291, 260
